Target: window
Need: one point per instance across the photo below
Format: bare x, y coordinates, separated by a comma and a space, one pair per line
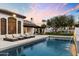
11, 25
3, 26
19, 26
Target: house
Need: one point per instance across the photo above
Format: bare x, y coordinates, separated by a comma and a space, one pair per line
11, 22
14, 23
30, 27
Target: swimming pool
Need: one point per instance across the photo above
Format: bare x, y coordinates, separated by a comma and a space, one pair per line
52, 47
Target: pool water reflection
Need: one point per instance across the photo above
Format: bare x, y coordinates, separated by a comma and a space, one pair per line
51, 47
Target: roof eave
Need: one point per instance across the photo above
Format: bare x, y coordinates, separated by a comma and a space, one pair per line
11, 13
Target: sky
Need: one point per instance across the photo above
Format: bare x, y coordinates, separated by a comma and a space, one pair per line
40, 11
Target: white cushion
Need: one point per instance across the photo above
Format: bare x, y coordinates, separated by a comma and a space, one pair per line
14, 35
8, 36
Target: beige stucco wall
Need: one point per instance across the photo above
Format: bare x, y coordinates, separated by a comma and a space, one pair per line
25, 29
28, 30
0, 26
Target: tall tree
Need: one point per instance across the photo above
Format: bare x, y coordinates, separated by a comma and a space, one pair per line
70, 21
49, 24
61, 21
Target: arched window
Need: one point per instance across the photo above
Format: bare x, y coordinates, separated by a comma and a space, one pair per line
11, 25
3, 26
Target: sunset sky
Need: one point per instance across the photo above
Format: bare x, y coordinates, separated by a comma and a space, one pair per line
39, 11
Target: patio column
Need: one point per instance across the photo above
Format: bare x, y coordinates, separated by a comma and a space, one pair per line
0, 26
32, 30
7, 26
16, 26
22, 28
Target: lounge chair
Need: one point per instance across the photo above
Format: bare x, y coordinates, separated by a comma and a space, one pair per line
25, 36
10, 38
18, 36
29, 35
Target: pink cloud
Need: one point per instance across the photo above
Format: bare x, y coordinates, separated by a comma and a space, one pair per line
39, 14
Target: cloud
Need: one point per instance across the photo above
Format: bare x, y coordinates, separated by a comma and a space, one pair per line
43, 11
72, 9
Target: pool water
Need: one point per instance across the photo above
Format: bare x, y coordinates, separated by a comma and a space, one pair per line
51, 47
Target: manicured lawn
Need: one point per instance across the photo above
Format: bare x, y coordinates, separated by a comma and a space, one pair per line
59, 33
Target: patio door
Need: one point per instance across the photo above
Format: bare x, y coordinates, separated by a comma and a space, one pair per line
3, 26
11, 25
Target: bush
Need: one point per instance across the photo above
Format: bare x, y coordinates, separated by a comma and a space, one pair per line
59, 33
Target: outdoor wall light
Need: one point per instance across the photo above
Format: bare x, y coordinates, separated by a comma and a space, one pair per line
14, 15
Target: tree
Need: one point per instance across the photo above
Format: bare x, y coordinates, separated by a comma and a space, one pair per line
55, 22
76, 24
49, 24
61, 21
43, 20
43, 26
70, 21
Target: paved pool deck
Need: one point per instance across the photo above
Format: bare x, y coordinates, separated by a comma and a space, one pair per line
7, 45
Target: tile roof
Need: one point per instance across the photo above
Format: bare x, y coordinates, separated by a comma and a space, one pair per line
29, 24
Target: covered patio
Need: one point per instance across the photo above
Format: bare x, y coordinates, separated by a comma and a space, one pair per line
32, 28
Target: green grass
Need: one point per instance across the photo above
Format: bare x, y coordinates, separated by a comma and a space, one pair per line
59, 33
